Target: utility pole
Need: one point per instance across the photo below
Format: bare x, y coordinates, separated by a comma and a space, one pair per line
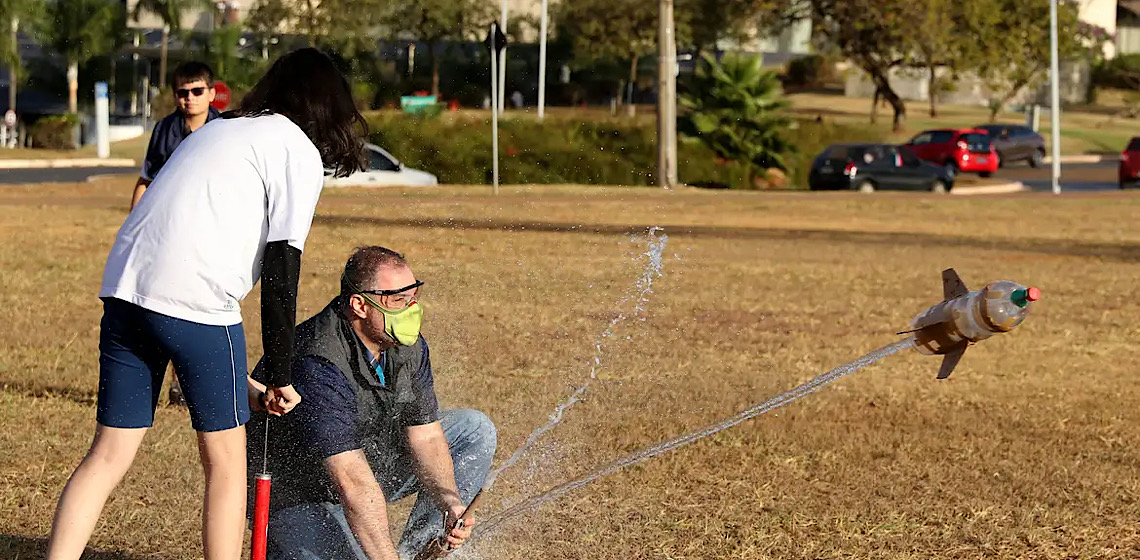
135, 75
12, 68
1055, 94
502, 58
542, 64
666, 97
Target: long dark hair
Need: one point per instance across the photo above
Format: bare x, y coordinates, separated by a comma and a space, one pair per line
306, 86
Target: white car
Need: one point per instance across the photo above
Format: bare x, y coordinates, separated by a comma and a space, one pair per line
383, 171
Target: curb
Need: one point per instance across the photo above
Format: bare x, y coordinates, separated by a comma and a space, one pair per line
997, 188
64, 163
1092, 158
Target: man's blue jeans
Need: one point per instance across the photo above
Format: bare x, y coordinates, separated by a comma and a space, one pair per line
319, 531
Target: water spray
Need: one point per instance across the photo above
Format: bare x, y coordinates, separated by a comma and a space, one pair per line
438, 547
946, 328
643, 287
654, 450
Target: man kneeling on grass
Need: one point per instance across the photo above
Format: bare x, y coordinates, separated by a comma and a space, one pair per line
368, 429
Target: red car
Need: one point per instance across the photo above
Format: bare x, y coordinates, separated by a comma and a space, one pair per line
1129, 171
960, 151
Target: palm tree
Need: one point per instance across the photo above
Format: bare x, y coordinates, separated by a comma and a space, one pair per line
737, 109
170, 11
80, 30
13, 13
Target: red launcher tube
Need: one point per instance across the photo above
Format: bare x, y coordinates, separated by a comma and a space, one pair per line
261, 517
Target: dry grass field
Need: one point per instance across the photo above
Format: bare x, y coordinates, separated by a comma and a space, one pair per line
1027, 451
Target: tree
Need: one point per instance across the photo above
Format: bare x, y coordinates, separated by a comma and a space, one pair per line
13, 14
940, 45
170, 12
614, 30
436, 21
875, 35
80, 30
711, 21
737, 109
1013, 44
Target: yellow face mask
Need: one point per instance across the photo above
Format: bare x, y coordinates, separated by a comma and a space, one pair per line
402, 325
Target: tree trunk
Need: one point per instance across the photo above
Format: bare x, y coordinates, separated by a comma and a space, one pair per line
162, 56
996, 108
883, 86
875, 105
631, 108
436, 61
73, 86
930, 87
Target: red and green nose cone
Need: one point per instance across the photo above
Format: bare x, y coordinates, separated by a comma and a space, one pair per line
1021, 298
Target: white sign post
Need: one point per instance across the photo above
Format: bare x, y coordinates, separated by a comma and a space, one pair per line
495, 42
542, 64
1055, 98
102, 122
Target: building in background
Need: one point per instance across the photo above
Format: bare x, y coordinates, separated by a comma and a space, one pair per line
914, 85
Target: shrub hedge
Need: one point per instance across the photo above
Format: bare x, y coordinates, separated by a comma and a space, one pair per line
457, 149
55, 132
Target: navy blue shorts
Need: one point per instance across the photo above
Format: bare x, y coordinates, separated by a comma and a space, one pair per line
135, 346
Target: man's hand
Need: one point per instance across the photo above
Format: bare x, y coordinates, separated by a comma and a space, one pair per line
456, 536
280, 400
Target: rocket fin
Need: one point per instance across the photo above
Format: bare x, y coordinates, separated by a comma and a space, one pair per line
951, 361
952, 285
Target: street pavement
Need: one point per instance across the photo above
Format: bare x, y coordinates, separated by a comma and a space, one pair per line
60, 174
1083, 177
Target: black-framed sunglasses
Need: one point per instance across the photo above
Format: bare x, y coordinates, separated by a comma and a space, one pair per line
395, 292
183, 93
396, 299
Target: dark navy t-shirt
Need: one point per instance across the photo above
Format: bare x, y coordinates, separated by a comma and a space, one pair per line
167, 135
325, 422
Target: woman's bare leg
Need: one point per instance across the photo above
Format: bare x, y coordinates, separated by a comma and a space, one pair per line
223, 512
82, 500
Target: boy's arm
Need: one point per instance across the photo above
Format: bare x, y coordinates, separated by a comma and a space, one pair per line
140, 188
152, 162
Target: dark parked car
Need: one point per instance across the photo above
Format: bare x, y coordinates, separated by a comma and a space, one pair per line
1014, 142
871, 167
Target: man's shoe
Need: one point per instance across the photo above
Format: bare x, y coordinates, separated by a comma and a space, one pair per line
175, 395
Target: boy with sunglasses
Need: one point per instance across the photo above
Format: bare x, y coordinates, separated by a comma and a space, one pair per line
193, 92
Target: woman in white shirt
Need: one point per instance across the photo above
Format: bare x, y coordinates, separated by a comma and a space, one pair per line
234, 204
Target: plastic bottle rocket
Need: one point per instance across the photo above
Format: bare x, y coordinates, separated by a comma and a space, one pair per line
965, 317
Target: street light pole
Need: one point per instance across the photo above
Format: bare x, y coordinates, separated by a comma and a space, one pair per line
502, 58
666, 97
542, 64
12, 68
1055, 95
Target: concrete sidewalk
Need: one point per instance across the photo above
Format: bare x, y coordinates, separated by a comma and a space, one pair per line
990, 187
65, 162
1084, 158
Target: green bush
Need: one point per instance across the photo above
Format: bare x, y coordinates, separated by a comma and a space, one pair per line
55, 132
1120, 72
457, 149
805, 71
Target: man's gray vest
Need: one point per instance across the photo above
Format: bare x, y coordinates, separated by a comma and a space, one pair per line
328, 336
298, 475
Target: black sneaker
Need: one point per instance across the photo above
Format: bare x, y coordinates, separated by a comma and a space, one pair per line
175, 395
